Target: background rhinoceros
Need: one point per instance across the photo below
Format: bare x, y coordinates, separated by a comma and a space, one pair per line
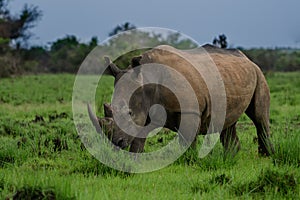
245, 86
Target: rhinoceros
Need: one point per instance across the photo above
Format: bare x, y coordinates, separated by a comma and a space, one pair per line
245, 86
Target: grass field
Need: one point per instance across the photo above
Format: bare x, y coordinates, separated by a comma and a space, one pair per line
41, 155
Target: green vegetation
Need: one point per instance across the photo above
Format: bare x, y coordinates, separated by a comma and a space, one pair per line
278, 59
66, 54
41, 155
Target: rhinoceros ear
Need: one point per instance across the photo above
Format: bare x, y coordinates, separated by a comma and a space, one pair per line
112, 69
108, 111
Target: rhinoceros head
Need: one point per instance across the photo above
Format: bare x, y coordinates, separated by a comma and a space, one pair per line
138, 106
134, 112
109, 127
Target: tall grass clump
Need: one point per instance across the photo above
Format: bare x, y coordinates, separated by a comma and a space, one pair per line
287, 150
216, 159
269, 182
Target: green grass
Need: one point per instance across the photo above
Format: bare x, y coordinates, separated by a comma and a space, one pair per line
41, 155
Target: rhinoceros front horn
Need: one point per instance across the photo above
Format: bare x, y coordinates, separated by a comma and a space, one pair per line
94, 119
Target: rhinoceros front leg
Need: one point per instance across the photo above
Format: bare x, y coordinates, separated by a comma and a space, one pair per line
230, 140
137, 145
188, 130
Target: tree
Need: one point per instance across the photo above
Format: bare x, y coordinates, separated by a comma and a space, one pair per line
94, 42
221, 41
179, 42
4, 12
16, 28
66, 54
121, 28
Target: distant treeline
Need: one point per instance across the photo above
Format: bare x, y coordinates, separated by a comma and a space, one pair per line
278, 59
66, 55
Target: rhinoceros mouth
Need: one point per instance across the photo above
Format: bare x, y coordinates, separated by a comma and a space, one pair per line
121, 143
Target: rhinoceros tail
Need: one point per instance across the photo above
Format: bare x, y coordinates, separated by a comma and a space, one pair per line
94, 119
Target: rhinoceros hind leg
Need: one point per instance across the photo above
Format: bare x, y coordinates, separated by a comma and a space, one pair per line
258, 112
230, 140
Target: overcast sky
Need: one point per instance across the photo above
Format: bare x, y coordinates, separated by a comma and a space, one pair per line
246, 23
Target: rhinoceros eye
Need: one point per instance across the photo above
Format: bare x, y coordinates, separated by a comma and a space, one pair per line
130, 112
